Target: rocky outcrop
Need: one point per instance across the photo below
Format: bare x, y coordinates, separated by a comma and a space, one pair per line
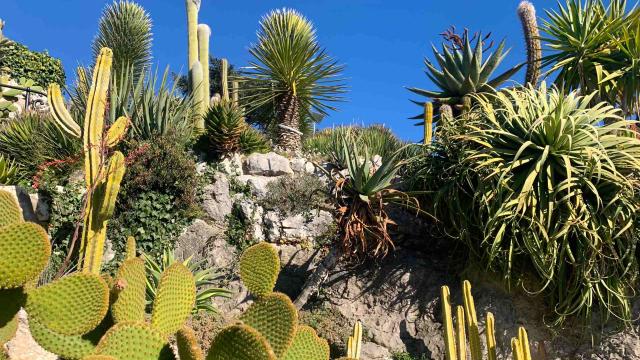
23, 346
269, 164
216, 201
34, 207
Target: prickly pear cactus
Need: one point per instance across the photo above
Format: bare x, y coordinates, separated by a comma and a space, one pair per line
259, 268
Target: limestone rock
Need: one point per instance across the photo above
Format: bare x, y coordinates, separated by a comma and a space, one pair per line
306, 226
231, 165
23, 346
217, 202
302, 165
34, 207
257, 184
297, 264
373, 351
253, 213
202, 241
269, 164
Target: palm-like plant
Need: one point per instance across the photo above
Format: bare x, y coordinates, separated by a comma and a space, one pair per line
581, 38
299, 75
463, 70
362, 195
205, 292
125, 27
557, 193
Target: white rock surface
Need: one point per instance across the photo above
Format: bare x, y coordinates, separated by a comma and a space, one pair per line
34, 207
269, 164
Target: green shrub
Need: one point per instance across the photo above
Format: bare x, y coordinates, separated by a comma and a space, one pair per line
295, 195
238, 230
37, 66
163, 166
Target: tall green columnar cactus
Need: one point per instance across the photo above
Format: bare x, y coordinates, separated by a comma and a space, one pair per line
198, 89
224, 77
428, 122
102, 175
527, 15
204, 34
193, 6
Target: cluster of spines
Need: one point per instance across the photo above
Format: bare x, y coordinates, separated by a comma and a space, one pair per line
466, 330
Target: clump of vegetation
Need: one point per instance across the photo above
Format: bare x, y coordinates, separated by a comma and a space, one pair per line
301, 194
37, 66
239, 230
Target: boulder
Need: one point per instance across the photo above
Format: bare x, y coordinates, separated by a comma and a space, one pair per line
269, 164
297, 264
306, 226
35, 208
231, 165
257, 184
302, 165
373, 351
217, 202
201, 241
253, 213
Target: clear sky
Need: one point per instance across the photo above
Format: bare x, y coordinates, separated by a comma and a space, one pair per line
382, 43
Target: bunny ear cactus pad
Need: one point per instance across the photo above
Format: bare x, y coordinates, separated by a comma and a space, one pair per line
25, 252
188, 348
175, 299
130, 301
307, 345
72, 347
99, 357
259, 268
73, 305
275, 317
10, 302
132, 341
240, 342
9, 210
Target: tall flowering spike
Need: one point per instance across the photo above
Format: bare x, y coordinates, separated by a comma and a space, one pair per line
527, 15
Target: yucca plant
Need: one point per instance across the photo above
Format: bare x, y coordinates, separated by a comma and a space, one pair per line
224, 124
125, 27
205, 292
362, 195
8, 170
557, 191
292, 70
461, 70
581, 38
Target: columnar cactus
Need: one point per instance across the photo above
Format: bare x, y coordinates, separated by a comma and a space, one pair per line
193, 6
467, 330
527, 15
224, 75
354, 343
204, 34
428, 122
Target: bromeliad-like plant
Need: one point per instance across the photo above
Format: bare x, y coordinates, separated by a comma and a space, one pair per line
299, 75
558, 194
461, 70
204, 278
362, 195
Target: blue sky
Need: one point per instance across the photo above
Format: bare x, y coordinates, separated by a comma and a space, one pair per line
382, 43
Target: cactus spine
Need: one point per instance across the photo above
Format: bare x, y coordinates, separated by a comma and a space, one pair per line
456, 340
204, 34
224, 75
428, 122
527, 15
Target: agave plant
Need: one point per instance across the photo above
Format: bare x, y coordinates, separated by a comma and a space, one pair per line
463, 70
224, 125
252, 141
558, 194
362, 194
8, 170
581, 38
291, 69
205, 292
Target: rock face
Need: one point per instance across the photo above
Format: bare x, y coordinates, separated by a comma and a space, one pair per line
270, 164
23, 346
202, 241
217, 202
34, 207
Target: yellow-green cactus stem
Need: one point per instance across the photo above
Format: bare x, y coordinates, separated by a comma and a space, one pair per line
523, 338
117, 131
491, 337
428, 122
354, 344
224, 78
308, 345
133, 341
59, 112
204, 34
240, 342
25, 250
276, 318
174, 300
461, 339
197, 88
193, 6
187, 344
259, 268
235, 94
447, 322
72, 305
516, 349
131, 284
131, 248
99, 357
9, 210
72, 347
92, 241
472, 322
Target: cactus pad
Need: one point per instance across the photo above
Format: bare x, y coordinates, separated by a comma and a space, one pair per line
275, 317
129, 302
10, 302
307, 345
99, 357
259, 268
174, 300
188, 348
132, 341
73, 305
25, 252
68, 347
240, 342
9, 210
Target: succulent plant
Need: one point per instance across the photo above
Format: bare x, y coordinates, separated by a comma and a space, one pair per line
224, 125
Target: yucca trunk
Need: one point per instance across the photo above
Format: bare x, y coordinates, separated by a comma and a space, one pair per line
288, 114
